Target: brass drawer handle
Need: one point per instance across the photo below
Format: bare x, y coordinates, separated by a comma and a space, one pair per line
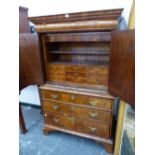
55, 107
93, 114
93, 103
72, 97
92, 129
56, 120
54, 96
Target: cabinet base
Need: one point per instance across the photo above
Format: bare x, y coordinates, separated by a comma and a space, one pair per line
107, 143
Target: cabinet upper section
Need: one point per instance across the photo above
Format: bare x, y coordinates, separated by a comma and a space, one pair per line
81, 21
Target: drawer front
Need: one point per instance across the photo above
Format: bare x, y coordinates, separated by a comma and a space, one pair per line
75, 74
103, 80
99, 102
55, 107
66, 97
58, 120
52, 95
56, 78
91, 79
88, 100
79, 79
95, 102
56, 67
100, 70
103, 70
91, 113
56, 72
74, 68
92, 128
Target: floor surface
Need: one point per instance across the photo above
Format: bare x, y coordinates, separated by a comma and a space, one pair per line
34, 142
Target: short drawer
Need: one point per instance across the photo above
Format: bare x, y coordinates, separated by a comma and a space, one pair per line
79, 79
91, 79
59, 120
95, 101
76, 74
93, 128
52, 95
61, 108
56, 78
74, 68
102, 80
99, 102
100, 70
91, 113
56, 72
56, 67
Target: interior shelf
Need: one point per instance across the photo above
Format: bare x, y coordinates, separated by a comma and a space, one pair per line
78, 52
80, 62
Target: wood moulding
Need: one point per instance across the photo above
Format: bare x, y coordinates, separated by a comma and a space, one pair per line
81, 21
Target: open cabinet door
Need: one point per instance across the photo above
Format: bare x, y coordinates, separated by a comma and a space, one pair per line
30, 66
122, 66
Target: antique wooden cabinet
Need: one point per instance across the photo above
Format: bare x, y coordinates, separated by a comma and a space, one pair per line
75, 49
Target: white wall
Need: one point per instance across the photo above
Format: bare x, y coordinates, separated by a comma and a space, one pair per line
49, 7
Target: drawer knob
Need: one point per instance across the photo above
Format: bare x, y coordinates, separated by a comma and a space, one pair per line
55, 107
93, 103
93, 114
72, 97
54, 96
92, 129
56, 120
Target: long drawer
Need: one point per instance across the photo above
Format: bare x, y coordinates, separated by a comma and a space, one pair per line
77, 111
89, 127
100, 102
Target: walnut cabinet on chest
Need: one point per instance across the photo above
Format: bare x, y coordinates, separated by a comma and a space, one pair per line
74, 58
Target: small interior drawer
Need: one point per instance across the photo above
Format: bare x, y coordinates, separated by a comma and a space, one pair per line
56, 77
100, 70
56, 66
79, 79
56, 72
74, 68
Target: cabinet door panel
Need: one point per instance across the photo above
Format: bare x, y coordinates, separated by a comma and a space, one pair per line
122, 66
29, 60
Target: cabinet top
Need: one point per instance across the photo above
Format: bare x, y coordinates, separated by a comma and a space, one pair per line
79, 21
